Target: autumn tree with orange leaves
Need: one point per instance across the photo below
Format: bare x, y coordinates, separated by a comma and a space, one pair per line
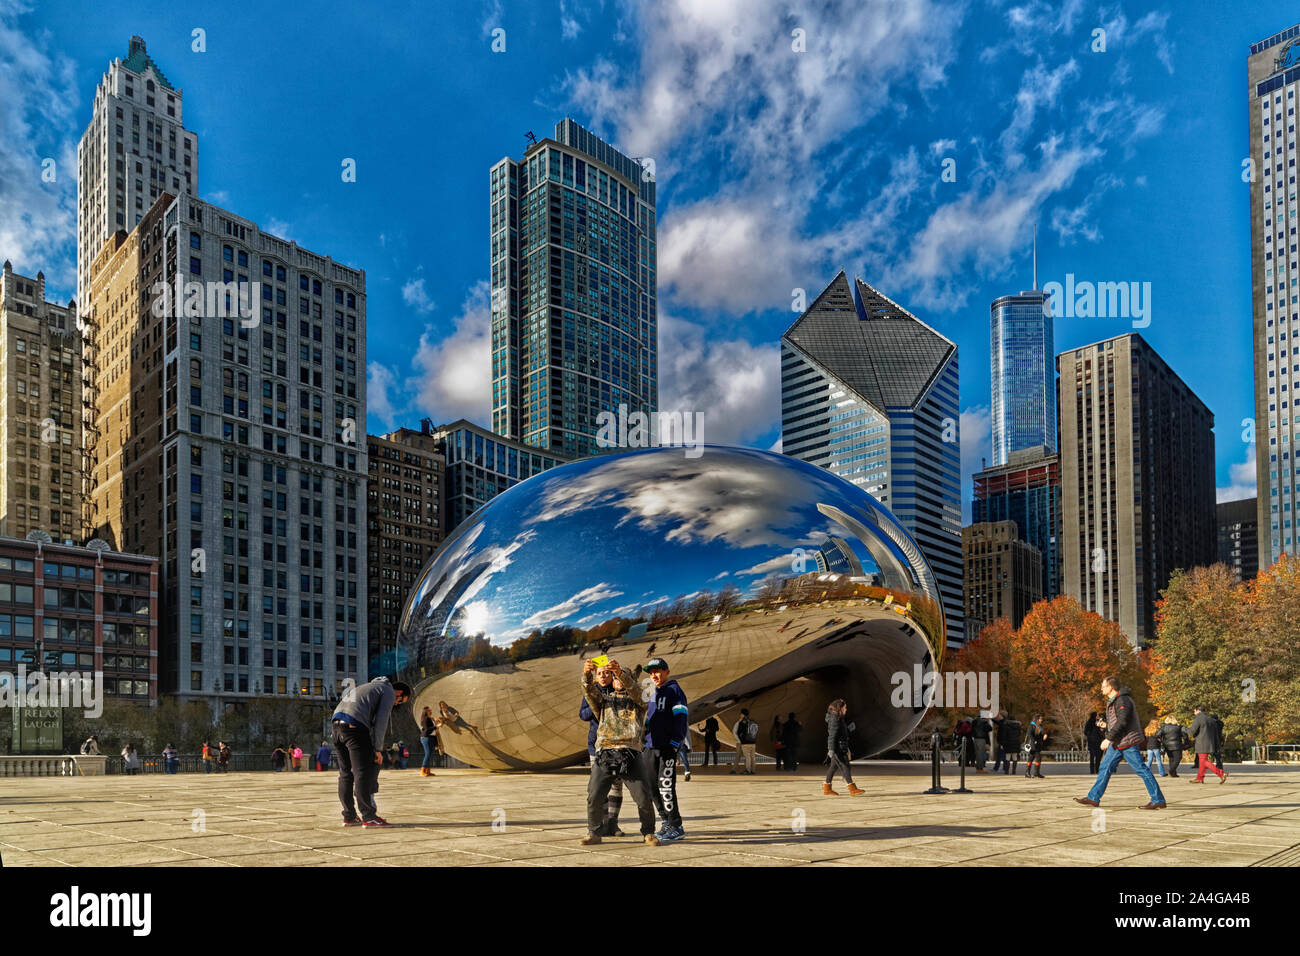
1054, 663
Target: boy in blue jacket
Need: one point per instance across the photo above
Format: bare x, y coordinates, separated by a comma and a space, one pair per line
666, 729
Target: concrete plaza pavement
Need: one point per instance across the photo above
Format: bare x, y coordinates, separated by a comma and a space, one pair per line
476, 818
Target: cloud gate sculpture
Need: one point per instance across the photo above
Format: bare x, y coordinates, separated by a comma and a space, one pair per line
765, 582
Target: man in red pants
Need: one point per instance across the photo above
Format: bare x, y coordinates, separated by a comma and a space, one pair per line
1205, 731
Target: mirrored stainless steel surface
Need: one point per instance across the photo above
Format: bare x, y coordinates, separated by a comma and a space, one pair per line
765, 582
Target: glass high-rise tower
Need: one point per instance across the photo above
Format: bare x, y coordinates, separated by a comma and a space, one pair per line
1273, 73
1022, 374
574, 304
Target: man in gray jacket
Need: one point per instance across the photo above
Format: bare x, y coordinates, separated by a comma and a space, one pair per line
1205, 732
360, 723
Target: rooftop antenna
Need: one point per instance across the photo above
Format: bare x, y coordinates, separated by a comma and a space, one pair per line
1035, 286
530, 137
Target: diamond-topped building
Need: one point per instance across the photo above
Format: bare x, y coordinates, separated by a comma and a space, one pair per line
869, 392
574, 305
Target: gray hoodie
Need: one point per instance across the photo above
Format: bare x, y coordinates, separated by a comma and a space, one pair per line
370, 705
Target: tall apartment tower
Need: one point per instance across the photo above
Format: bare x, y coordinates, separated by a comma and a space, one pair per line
403, 528
135, 148
1023, 374
574, 301
228, 439
40, 411
1137, 480
1273, 72
869, 392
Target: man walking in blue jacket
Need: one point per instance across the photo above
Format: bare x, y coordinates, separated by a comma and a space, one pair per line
666, 729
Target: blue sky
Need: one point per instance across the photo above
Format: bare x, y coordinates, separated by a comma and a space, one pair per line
775, 168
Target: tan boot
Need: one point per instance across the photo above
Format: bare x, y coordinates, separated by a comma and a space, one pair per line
591, 839
827, 791
424, 771
854, 790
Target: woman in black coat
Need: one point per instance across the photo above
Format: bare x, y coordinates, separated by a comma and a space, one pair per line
837, 748
1171, 739
1092, 735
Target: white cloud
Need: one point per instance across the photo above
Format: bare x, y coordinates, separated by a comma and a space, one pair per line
981, 229
720, 78
708, 250
735, 384
1241, 476
557, 613
976, 430
414, 295
1040, 89
38, 219
453, 373
381, 389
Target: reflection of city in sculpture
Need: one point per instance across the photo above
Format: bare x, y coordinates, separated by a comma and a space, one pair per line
767, 583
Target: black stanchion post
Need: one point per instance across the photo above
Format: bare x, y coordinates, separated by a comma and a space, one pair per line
935, 786
961, 759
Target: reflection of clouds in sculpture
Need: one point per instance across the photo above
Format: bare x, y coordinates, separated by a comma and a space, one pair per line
723, 500
459, 559
571, 606
621, 535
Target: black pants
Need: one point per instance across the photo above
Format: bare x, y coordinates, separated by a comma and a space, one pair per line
1175, 757
839, 765
661, 772
1094, 759
1218, 759
711, 746
598, 785
358, 772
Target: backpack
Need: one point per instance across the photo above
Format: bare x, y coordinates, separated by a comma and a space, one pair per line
405, 753
748, 731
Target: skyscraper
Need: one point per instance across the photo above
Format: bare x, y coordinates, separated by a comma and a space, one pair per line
1026, 491
134, 149
574, 303
869, 392
40, 411
1273, 73
1023, 374
227, 438
1137, 480
1003, 574
1238, 532
403, 528
480, 464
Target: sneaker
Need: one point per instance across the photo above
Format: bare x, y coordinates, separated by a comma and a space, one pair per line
376, 822
672, 835
688, 774
351, 822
